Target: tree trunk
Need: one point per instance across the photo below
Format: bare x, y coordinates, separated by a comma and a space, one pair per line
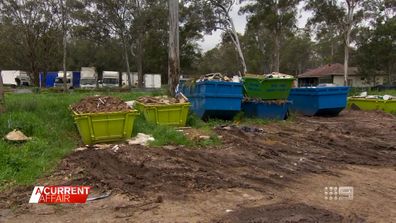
2, 103
126, 57
346, 61
351, 4
174, 56
64, 47
139, 60
277, 54
238, 45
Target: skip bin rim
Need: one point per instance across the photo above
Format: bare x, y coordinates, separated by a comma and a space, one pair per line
182, 107
86, 126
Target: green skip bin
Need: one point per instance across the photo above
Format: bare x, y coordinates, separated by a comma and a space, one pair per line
105, 126
267, 88
172, 114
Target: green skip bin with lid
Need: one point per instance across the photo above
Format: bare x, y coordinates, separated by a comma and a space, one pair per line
105, 126
267, 88
172, 114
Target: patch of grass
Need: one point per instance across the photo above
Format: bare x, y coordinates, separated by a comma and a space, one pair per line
388, 92
163, 135
46, 118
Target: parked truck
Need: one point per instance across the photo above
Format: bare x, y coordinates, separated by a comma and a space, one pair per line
89, 77
110, 79
73, 79
134, 79
15, 78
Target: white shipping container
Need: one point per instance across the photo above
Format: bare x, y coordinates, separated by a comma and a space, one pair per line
152, 80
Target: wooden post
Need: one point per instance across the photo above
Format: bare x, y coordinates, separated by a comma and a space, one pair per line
174, 56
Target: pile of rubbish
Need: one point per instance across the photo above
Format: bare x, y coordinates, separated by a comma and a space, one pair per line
275, 75
163, 100
96, 104
214, 76
381, 97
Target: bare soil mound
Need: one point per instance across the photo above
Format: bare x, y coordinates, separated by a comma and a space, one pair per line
286, 213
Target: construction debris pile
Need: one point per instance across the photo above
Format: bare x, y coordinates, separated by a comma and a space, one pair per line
275, 75
96, 104
214, 76
162, 100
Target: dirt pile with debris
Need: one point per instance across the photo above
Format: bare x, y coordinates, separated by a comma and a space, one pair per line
162, 100
260, 158
95, 104
214, 76
250, 157
286, 213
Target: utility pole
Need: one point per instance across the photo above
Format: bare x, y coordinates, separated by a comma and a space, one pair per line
174, 54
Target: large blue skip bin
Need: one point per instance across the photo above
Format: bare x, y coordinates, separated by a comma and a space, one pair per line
215, 99
266, 109
321, 101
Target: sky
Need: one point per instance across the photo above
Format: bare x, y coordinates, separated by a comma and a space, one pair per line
210, 41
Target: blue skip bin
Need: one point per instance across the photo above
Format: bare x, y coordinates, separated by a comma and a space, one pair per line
276, 109
321, 101
215, 99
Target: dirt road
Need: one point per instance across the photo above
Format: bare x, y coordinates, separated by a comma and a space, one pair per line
272, 173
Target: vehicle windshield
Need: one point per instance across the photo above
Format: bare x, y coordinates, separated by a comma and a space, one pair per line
110, 81
60, 81
87, 82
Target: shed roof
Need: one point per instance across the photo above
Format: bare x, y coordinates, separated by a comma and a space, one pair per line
328, 70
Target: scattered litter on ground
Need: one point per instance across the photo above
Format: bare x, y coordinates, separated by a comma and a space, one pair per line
141, 139
99, 197
115, 148
243, 128
204, 137
81, 148
97, 104
101, 146
382, 97
17, 136
170, 147
161, 100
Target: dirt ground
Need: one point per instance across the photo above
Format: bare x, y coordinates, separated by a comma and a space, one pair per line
271, 173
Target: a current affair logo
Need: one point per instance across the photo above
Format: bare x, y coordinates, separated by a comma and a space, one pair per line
59, 194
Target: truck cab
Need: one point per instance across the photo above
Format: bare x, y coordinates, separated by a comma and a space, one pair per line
59, 80
88, 77
111, 79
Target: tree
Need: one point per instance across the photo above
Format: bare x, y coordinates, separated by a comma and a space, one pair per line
113, 18
377, 50
29, 23
223, 21
340, 18
278, 17
174, 56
